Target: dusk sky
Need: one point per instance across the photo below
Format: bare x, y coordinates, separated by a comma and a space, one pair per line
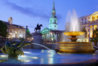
31, 12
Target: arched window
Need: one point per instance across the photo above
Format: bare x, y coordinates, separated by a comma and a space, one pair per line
95, 27
97, 17
91, 31
83, 20
93, 18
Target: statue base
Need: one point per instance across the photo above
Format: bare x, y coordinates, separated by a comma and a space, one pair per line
37, 39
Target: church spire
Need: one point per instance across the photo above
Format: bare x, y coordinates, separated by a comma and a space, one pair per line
53, 5
53, 10
53, 20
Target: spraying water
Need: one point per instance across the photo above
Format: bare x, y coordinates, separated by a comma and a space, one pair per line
41, 45
67, 20
74, 22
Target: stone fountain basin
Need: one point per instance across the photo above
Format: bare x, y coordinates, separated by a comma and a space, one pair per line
49, 57
76, 47
75, 33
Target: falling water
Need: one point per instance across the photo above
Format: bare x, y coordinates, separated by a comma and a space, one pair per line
67, 20
74, 22
41, 45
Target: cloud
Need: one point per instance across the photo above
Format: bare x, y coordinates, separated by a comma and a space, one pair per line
30, 12
27, 11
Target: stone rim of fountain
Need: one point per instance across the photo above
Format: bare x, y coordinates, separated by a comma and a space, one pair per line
74, 33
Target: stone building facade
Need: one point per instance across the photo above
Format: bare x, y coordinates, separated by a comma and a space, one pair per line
15, 31
90, 23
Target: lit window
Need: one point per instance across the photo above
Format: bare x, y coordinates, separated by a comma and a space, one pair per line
93, 18
91, 32
88, 17
54, 22
50, 20
95, 27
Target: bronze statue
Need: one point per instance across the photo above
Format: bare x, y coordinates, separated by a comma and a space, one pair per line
38, 27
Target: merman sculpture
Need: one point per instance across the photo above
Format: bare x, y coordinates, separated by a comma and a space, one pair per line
14, 49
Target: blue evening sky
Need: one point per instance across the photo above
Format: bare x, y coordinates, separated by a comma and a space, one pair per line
31, 12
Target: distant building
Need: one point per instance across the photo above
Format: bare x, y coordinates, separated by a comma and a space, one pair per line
15, 31
90, 23
51, 35
53, 19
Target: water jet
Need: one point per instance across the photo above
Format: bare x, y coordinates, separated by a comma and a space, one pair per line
74, 46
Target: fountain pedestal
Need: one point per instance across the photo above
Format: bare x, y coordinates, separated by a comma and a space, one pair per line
37, 39
75, 47
73, 38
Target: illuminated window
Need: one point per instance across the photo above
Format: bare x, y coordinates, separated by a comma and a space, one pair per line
54, 22
95, 26
93, 18
55, 25
91, 32
85, 20
88, 18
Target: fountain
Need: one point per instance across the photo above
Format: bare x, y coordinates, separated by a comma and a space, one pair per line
74, 46
16, 56
40, 57
14, 48
41, 46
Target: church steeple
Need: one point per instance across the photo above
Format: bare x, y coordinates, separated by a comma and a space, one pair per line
53, 19
53, 10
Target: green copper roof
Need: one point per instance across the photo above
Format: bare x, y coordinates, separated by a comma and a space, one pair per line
45, 31
27, 32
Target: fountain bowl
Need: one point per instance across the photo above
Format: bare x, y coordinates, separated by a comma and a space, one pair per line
76, 47
74, 33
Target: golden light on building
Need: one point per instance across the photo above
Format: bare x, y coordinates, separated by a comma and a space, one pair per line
15, 31
95, 27
91, 31
94, 16
90, 22
76, 33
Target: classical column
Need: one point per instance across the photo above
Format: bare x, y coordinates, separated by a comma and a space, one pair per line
87, 33
97, 26
91, 31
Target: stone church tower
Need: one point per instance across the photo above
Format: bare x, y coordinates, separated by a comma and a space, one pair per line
10, 20
53, 20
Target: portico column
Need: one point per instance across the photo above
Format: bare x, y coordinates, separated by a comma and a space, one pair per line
87, 34
97, 26
91, 31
